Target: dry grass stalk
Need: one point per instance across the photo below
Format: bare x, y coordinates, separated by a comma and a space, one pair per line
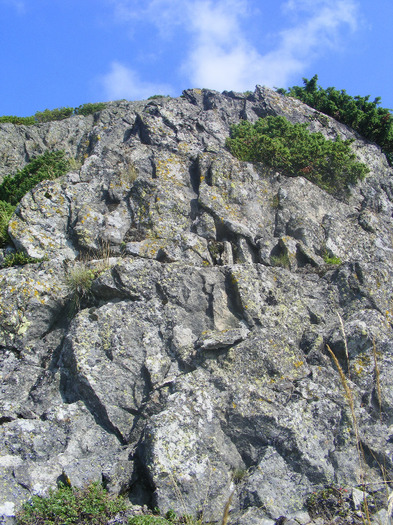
226, 510
351, 403
348, 392
188, 520
345, 342
377, 380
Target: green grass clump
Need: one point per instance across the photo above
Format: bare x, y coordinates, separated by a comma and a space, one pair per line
68, 506
148, 520
79, 280
367, 118
332, 260
281, 260
292, 149
49, 166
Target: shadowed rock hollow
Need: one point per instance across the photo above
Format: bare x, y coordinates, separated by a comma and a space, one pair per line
195, 365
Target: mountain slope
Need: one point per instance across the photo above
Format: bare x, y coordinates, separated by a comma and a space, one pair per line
174, 341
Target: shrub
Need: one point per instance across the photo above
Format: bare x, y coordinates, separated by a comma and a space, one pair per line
6, 211
373, 122
153, 97
18, 259
48, 115
50, 165
27, 121
292, 149
89, 109
67, 506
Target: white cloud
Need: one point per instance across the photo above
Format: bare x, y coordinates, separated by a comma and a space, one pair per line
223, 58
123, 82
219, 53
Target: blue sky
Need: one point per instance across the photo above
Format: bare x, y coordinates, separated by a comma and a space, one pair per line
58, 53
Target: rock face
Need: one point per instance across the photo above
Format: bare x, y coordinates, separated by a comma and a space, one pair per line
194, 363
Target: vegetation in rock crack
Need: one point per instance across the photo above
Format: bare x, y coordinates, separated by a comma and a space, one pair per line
367, 118
171, 518
332, 502
66, 506
292, 149
49, 115
281, 260
79, 280
49, 166
332, 260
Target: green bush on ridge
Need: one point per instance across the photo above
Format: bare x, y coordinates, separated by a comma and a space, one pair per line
367, 118
292, 149
11, 119
49, 115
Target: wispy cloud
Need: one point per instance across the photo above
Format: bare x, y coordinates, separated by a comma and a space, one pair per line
19, 5
123, 82
220, 53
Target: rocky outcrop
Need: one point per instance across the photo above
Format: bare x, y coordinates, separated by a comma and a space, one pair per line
194, 363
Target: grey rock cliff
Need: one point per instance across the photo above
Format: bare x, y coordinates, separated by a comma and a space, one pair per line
194, 368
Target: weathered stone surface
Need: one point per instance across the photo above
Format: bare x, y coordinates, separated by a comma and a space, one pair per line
189, 363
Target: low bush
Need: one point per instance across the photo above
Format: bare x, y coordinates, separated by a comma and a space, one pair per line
89, 109
27, 121
68, 506
50, 115
367, 118
6, 211
18, 259
49, 166
292, 149
153, 97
